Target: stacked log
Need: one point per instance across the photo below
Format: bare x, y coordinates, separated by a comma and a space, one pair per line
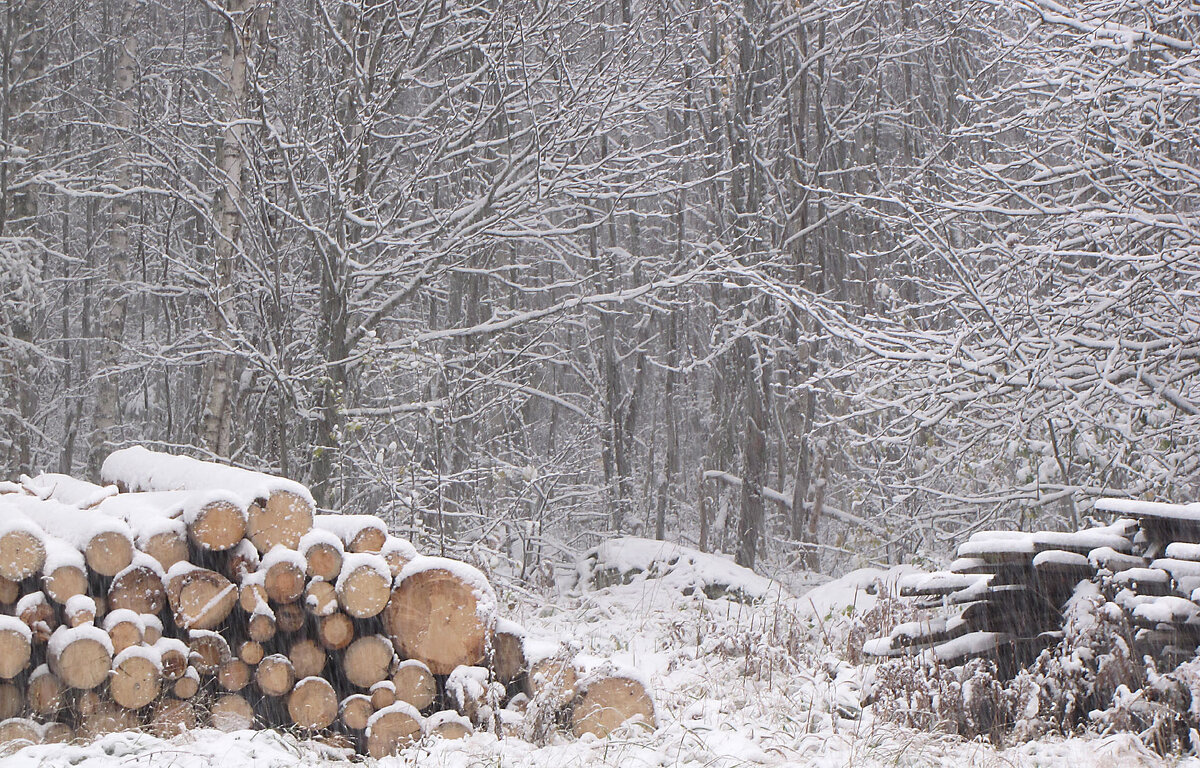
1003, 598
187, 593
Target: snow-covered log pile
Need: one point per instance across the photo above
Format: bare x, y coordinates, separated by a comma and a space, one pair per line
1004, 597
187, 593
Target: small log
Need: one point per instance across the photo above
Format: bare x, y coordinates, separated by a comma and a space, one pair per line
252, 592
109, 552
397, 553
262, 626
64, 574
274, 675
552, 679
508, 651
136, 677
358, 533
125, 628
313, 704
335, 631
22, 552
383, 694
217, 525
442, 613
44, 692
251, 652
35, 611
447, 724
415, 684
243, 561
188, 685
322, 553
139, 587
167, 547
284, 575
57, 733
308, 658
174, 656
80, 656
320, 598
289, 617
16, 732
364, 587
199, 598
391, 730
16, 646
231, 712
233, 675
79, 610
368, 660
606, 703
281, 521
172, 717
355, 710
207, 651
151, 627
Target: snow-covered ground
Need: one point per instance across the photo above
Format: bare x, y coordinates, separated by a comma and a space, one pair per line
736, 685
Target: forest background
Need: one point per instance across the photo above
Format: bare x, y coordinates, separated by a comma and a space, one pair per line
816, 284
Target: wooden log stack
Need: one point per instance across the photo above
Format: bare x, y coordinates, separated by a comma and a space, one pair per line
185, 593
1003, 598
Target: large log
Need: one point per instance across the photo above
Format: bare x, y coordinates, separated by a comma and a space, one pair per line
441, 612
22, 551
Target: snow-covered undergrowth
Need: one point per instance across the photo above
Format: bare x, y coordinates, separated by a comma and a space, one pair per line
772, 683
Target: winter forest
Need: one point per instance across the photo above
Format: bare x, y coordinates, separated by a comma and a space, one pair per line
817, 285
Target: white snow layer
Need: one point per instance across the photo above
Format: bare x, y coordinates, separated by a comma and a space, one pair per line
140, 469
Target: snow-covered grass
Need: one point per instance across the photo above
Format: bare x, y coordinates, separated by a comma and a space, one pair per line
772, 684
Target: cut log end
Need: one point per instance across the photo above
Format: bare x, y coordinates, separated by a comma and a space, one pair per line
433, 616
606, 704
313, 704
391, 730
282, 520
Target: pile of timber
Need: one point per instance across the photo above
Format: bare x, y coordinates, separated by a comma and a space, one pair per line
184, 594
1003, 598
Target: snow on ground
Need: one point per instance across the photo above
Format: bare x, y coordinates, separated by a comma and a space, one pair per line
736, 685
